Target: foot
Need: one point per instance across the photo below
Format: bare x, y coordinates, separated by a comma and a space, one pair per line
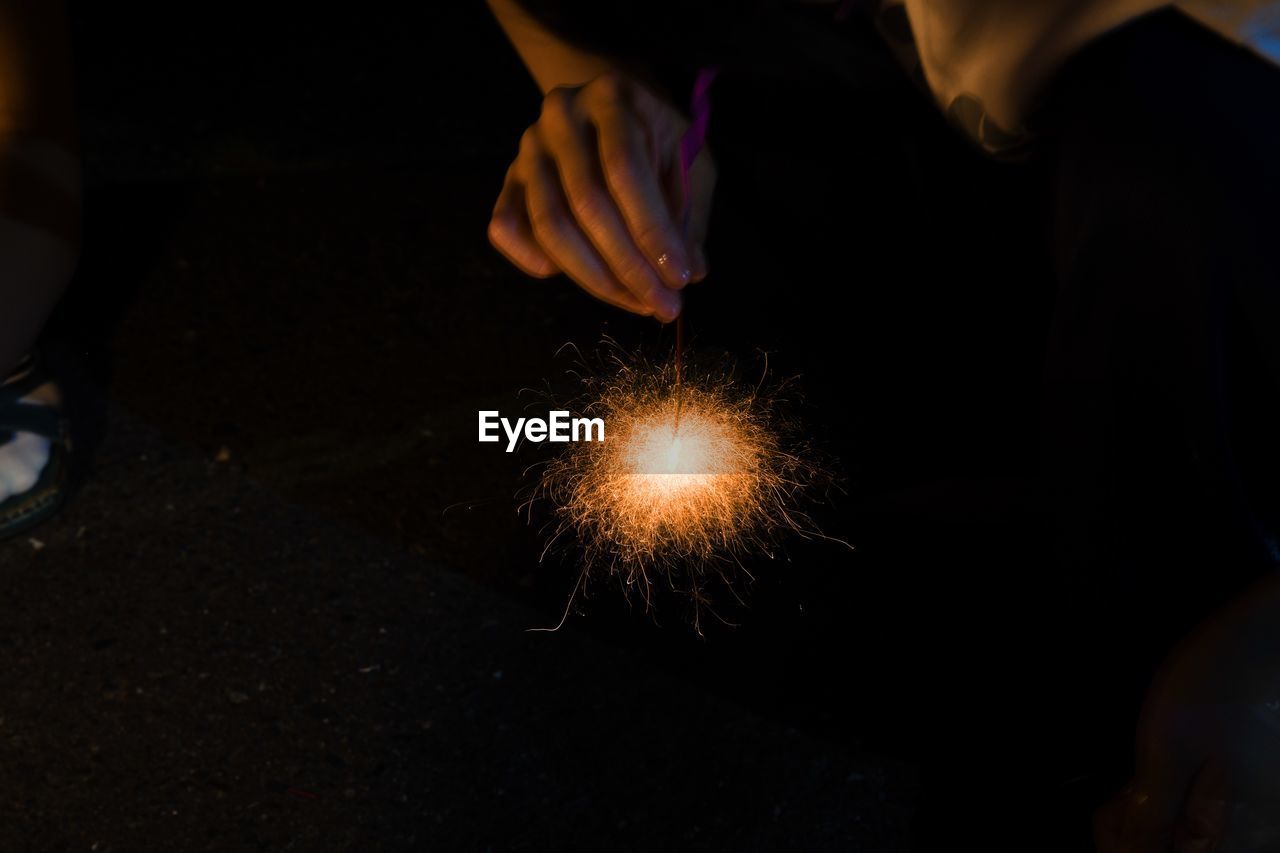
23, 457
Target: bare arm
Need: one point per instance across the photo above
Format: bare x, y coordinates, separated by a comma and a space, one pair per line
552, 61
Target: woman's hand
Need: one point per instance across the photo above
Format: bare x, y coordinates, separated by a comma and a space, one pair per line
595, 193
1207, 776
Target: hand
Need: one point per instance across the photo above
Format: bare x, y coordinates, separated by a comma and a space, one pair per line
595, 193
1207, 775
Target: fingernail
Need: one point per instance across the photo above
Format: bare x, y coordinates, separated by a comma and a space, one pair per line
666, 305
678, 277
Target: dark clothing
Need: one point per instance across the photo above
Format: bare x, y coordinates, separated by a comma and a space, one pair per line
1053, 382
1163, 377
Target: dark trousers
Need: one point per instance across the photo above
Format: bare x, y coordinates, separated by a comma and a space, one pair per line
1052, 385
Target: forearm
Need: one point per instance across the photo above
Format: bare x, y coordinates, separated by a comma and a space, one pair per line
552, 61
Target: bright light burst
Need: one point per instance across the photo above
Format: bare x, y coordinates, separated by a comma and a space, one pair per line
684, 488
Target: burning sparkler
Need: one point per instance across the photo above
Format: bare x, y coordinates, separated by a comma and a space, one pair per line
694, 472
689, 480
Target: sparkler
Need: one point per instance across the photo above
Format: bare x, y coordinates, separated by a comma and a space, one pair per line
694, 472
688, 482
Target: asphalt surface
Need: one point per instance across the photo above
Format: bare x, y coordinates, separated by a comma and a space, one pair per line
194, 662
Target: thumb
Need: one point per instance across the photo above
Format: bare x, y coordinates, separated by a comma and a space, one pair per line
1204, 817
1159, 789
702, 184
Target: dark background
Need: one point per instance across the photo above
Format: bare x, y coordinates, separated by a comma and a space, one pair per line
287, 609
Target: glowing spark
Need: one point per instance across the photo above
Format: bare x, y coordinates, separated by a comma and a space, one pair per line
684, 500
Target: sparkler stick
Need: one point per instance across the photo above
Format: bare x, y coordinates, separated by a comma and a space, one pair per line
690, 146
697, 472
679, 369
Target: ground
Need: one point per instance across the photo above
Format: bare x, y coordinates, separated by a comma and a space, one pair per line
288, 608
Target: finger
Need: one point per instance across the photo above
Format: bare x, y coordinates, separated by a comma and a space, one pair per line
1159, 790
633, 183
512, 235
559, 236
1106, 824
576, 157
1204, 817
702, 182
671, 183
1146, 825
689, 210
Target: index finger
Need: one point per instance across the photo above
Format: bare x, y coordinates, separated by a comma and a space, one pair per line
634, 185
1160, 787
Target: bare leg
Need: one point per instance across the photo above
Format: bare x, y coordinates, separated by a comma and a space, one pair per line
39, 202
39, 214
39, 223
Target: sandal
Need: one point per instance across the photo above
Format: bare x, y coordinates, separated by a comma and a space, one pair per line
24, 511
